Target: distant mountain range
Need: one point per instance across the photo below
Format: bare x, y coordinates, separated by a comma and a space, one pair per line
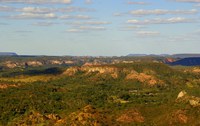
166, 55
185, 55
175, 59
8, 54
153, 55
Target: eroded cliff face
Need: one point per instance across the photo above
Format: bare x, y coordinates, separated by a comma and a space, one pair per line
144, 78
93, 69
147, 76
10, 64
34, 63
192, 100
71, 71
113, 71
56, 62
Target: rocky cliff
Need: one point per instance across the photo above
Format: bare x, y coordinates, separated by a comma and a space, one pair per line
146, 76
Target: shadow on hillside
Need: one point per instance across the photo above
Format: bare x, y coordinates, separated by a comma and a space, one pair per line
31, 72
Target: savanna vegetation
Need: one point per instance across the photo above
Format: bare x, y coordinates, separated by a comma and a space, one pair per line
103, 95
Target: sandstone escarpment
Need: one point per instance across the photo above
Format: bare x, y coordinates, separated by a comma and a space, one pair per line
34, 63
113, 71
93, 69
192, 100
146, 76
10, 64
71, 71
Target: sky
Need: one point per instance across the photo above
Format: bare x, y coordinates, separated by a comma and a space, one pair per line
99, 27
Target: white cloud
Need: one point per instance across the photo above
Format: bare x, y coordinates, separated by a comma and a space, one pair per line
74, 30
133, 21
95, 28
147, 33
87, 26
142, 12
137, 3
48, 16
35, 10
31, 9
37, 1
44, 23
97, 22
89, 23
74, 9
161, 21
34, 16
86, 29
84, 17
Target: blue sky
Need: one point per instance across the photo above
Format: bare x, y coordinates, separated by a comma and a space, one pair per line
99, 27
